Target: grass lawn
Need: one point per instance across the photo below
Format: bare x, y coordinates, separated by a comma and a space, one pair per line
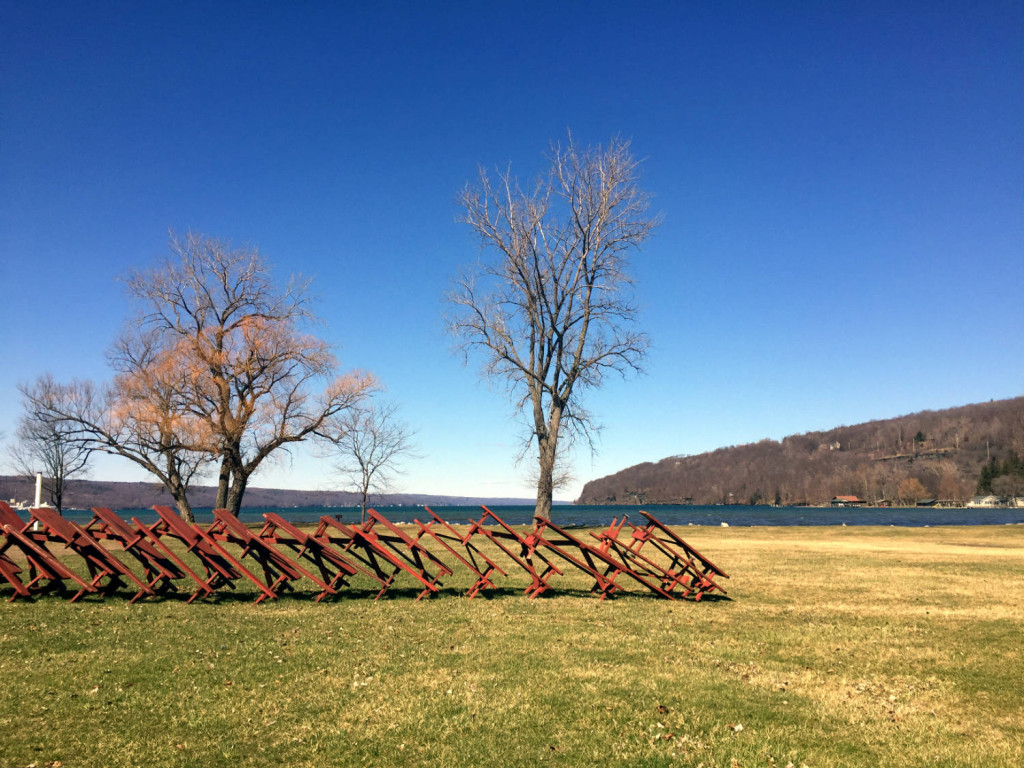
836, 647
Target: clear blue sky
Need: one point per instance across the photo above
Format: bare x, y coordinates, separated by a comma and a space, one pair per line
842, 187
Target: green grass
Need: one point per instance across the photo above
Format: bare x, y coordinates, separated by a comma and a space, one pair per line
837, 647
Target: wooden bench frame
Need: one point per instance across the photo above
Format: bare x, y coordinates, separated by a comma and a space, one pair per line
686, 569
334, 567
222, 568
372, 550
589, 559
279, 570
101, 562
503, 533
43, 565
161, 568
473, 553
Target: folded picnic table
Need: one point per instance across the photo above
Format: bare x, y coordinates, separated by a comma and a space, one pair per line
46, 571
383, 556
476, 561
101, 563
162, 567
335, 568
671, 560
221, 567
599, 564
279, 570
506, 539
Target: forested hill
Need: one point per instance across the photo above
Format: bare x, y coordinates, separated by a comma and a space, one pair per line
946, 452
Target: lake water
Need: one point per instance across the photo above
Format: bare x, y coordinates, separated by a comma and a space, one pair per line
670, 514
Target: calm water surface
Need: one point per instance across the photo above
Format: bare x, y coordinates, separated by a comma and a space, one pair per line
670, 514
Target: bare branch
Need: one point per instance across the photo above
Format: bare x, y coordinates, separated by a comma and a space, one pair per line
368, 441
46, 443
217, 329
552, 314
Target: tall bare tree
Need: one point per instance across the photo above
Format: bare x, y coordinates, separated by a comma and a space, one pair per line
46, 443
368, 441
553, 312
235, 342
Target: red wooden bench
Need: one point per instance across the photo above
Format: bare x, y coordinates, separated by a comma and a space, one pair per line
599, 564
406, 547
221, 567
9, 569
672, 560
334, 567
503, 536
46, 572
444, 535
159, 563
102, 563
279, 570
374, 551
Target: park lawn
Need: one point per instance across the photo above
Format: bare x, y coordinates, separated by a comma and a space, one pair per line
836, 647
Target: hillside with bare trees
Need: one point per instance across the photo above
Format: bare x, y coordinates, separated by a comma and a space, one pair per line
931, 454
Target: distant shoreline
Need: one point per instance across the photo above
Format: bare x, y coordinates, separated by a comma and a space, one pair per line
600, 516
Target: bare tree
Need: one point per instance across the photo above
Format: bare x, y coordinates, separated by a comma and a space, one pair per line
553, 313
148, 417
369, 440
45, 442
215, 368
243, 365
140, 418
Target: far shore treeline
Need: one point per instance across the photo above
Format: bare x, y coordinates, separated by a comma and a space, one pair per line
85, 494
950, 455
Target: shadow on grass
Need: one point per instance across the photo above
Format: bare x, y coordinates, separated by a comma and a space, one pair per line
409, 593
344, 595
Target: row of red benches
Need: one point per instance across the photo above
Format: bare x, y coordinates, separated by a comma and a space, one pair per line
651, 556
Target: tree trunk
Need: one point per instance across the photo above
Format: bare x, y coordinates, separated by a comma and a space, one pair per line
223, 481
234, 502
545, 477
178, 491
173, 482
184, 509
58, 494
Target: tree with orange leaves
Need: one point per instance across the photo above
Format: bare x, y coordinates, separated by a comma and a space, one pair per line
140, 418
236, 344
217, 368
911, 490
